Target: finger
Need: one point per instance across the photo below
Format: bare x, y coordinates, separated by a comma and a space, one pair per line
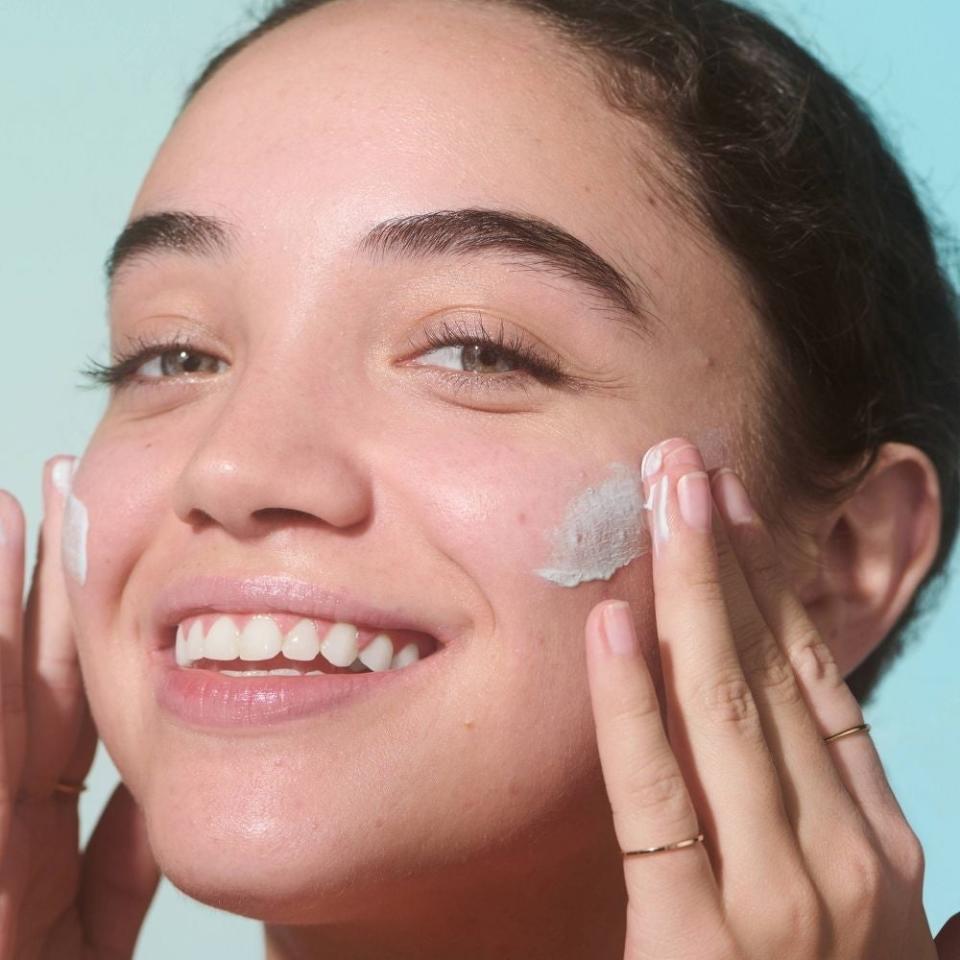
831, 702
813, 792
118, 878
12, 702
670, 892
948, 939
713, 719
54, 686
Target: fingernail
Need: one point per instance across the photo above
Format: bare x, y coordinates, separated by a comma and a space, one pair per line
658, 506
733, 498
618, 629
62, 475
652, 461
693, 494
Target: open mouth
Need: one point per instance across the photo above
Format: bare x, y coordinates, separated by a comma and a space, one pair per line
278, 644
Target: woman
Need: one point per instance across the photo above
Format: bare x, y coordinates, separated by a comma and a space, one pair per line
405, 308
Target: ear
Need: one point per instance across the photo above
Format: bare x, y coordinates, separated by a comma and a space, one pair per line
872, 553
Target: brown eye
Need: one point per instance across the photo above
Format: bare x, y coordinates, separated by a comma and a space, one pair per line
180, 363
474, 358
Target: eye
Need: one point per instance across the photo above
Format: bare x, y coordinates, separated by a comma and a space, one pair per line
178, 363
474, 358
471, 351
148, 363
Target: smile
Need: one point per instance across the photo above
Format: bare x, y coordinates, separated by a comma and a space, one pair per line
287, 645
244, 653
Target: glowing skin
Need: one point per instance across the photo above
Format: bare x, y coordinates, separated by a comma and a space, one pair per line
603, 530
470, 813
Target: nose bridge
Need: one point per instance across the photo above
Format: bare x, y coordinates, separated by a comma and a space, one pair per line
278, 439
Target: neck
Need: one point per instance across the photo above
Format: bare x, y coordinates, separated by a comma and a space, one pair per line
551, 908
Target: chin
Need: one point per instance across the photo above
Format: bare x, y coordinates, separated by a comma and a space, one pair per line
264, 869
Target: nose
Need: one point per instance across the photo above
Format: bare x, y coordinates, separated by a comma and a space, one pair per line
267, 457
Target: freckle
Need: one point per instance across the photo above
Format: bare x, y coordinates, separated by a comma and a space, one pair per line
513, 789
378, 822
651, 199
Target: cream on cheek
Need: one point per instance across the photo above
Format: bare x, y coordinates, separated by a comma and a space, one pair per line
76, 523
604, 528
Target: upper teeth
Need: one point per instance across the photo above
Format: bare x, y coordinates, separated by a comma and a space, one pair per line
262, 639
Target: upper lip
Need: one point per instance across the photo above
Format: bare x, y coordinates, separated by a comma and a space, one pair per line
278, 594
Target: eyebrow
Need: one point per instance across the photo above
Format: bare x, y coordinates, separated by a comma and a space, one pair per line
532, 241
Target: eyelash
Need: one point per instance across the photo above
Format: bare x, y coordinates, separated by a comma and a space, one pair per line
513, 348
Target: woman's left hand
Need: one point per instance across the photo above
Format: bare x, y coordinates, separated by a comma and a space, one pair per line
806, 853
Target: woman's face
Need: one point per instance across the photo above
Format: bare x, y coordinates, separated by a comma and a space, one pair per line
328, 440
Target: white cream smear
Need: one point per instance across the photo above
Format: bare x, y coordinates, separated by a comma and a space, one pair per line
604, 529
76, 525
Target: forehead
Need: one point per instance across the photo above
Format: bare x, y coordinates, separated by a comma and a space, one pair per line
365, 110
361, 110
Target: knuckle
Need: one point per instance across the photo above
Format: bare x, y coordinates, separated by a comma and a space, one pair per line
659, 790
801, 917
768, 669
865, 878
907, 853
726, 699
812, 659
791, 918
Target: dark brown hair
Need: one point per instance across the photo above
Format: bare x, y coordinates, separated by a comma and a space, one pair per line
787, 169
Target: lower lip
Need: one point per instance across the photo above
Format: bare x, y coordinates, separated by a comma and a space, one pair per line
204, 698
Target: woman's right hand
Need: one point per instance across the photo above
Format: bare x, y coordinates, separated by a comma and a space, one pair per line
56, 902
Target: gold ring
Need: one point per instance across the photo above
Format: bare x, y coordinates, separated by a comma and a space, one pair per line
64, 786
847, 732
679, 845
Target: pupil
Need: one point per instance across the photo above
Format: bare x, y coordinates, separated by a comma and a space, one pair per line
189, 362
479, 357
181, 361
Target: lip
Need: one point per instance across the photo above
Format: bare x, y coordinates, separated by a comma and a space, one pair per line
195, 596
208, 700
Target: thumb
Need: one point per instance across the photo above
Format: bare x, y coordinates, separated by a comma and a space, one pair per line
119, 878
948, 939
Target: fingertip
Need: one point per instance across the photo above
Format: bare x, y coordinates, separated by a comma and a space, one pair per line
58, 473
12, 521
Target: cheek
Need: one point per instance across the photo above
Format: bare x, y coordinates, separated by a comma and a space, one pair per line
536, 520
119, 492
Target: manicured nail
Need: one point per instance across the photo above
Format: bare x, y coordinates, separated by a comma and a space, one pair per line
733, 497
652, 461
62, 475
618, 629
658, 507
693, 494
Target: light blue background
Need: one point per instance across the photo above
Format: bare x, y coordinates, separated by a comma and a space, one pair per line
89, 88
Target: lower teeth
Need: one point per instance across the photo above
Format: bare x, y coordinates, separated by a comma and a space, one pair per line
356, 667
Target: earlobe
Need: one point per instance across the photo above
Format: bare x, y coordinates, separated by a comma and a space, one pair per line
875, 552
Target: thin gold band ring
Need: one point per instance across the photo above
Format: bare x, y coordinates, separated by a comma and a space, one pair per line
64, 786
846, 733
679, 845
